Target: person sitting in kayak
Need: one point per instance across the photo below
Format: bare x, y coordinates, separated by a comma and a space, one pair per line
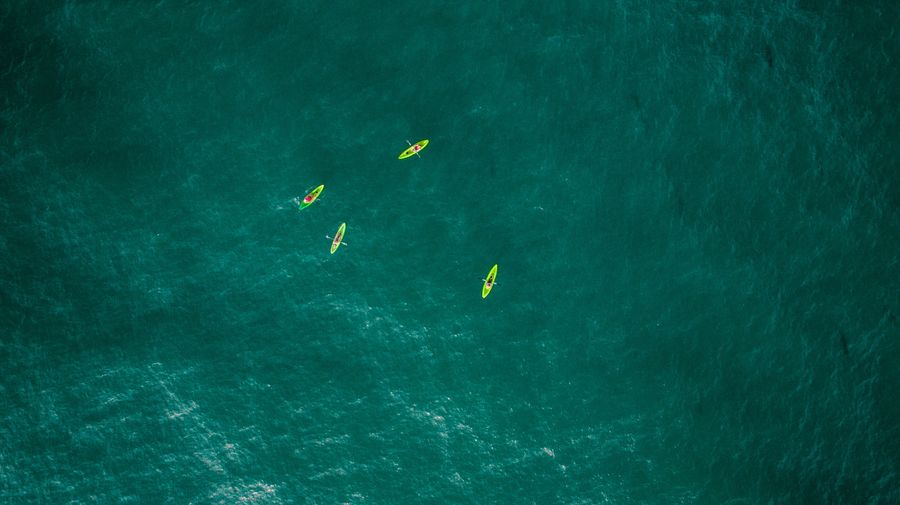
308, 198
416, 147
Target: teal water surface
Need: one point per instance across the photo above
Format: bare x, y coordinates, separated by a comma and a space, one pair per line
694, 206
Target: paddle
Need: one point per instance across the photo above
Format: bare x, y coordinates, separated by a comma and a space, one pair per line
329, 238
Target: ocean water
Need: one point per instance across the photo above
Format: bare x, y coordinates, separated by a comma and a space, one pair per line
695, 206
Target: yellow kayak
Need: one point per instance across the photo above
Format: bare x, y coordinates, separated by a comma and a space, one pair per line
489, 282
338, 237
311, 197
413, 149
